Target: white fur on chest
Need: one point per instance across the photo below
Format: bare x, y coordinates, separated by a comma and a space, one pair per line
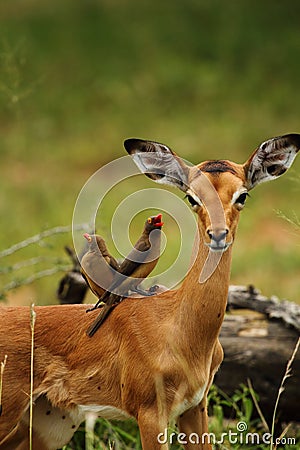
105, 411
187, 404
54, 426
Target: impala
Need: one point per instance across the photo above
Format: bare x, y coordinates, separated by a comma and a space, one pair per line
154, 359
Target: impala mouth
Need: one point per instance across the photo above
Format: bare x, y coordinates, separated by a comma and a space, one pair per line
221, 247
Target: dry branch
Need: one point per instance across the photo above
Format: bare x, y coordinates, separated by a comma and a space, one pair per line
39, 237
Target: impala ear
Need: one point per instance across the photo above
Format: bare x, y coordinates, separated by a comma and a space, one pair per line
271, 159
158, 162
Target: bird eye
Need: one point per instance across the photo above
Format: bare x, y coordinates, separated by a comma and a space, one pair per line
241, 199
149, 220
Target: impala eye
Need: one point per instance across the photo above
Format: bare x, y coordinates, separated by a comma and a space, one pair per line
191, 200
242, 199
194, 204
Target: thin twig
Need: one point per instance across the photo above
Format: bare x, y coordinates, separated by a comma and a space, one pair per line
38, 237
43, 273
3, 364
262, 417
286, 429
32, 323
287, 374
295, 222
29, 262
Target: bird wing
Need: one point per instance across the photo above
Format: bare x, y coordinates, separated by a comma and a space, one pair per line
97, 272
89, 284
128, 267
104, 313
114, 263
135, 258
107, 256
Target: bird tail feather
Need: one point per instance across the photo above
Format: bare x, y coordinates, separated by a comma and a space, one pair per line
104, 313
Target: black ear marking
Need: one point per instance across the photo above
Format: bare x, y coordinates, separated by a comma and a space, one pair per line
133, 145
130, 145
275, 170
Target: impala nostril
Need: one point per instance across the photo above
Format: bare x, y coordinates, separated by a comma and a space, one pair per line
217, 235
210, 233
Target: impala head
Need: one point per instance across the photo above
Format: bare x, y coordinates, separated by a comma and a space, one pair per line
216, 190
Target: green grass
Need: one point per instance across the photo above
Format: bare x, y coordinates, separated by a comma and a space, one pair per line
209, 79
240, 408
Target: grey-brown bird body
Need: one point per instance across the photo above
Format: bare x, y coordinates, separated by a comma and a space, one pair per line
98, 266
134, 269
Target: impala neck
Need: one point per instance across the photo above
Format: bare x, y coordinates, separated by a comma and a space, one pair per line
202, 305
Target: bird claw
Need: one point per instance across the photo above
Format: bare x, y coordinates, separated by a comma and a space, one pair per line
142, 292
96, 306
153, 289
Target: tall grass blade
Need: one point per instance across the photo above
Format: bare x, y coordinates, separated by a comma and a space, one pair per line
3, 364
287, 374
32, 324
258, 409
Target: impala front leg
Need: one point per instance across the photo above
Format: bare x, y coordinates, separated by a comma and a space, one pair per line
153, 430
194, 426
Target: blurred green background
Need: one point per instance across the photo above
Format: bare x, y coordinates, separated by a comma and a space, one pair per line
211, 79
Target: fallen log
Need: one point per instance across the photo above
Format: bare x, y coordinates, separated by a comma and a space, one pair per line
258, 336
